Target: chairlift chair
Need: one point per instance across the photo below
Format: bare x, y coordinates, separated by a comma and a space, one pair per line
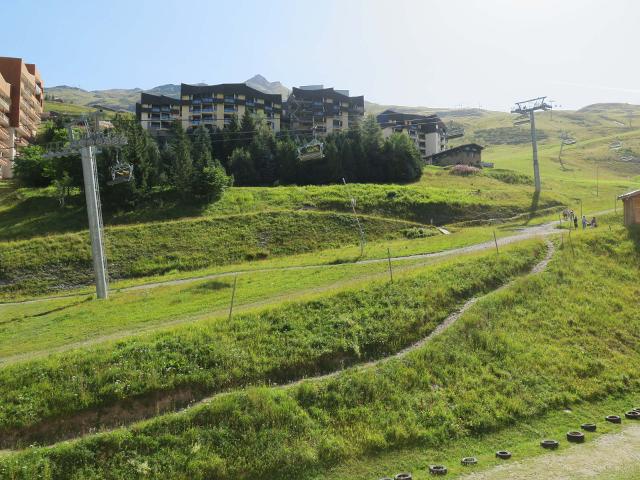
314, 150
121, 172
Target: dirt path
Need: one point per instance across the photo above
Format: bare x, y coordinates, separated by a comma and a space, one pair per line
605, 458
115, 416
524, 234
217, 313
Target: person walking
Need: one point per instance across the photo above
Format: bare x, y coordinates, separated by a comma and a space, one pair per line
575, 222
584, 222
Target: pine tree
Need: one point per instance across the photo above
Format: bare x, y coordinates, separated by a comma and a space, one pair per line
182, 164
242, 168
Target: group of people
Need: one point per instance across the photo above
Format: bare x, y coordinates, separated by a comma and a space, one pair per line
572, 217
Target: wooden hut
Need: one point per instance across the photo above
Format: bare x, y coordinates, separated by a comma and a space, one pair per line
631, 203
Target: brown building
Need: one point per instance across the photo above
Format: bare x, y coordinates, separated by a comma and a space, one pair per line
25, 104
469, 154
323, 109
428, 132
6, 133
631, 202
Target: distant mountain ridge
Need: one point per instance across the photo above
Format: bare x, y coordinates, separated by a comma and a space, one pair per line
125, 99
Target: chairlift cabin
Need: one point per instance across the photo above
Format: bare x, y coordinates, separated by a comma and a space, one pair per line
314, 150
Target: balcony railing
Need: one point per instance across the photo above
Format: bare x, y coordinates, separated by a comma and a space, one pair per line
207, 109
230, 109
155, 109
207, 100
196, 101
250, 103
195, 122
229, 100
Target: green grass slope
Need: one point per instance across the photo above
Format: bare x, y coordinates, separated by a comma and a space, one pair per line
566, 336
60, 262
292, 341
439, 197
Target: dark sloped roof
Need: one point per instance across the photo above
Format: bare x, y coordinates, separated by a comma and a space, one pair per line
426, 123
464, 148
229, 89
148, 98
325, 92
634, 193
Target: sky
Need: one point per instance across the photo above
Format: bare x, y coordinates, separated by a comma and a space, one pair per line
444, 53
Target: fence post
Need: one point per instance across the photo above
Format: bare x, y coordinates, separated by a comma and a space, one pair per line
233, 296
571, 243
495, 239
390, 269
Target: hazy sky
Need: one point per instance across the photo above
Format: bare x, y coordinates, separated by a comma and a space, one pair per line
485, 53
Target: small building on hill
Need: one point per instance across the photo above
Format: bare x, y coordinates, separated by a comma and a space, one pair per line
469, 154
631, 202
428, 132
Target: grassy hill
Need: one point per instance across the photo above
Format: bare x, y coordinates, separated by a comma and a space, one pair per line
484, 376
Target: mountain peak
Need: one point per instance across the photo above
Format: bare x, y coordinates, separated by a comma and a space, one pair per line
259, 82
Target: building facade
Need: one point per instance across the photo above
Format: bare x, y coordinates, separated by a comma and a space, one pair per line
156, 113
216, 105
21, 105
428, 132
323, 109
210, 105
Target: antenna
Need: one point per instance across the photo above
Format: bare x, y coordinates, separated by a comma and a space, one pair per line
87, 145
528, 108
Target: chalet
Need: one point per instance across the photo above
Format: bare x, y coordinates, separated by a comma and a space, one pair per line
631, 202
469, 154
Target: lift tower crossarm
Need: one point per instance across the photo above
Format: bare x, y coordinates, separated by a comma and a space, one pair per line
528, 108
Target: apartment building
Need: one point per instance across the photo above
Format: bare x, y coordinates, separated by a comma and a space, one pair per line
6, 132
156, 113
215, 105
21, 105
209, 105
428, 132
323, 109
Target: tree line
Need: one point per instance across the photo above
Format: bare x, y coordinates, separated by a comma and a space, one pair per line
199, 164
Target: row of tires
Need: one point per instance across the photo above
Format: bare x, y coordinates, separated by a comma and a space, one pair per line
573, 437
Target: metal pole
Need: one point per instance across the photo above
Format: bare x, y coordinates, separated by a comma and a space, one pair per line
581, 210
390, 269
233, 296
95, 224
355, 215
571, 244
534, 144
496, 240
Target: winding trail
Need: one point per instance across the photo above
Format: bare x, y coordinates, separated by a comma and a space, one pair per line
523, 234
117, 416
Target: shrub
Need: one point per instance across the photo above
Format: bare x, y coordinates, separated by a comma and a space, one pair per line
464, 170
417, 232
509, 176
